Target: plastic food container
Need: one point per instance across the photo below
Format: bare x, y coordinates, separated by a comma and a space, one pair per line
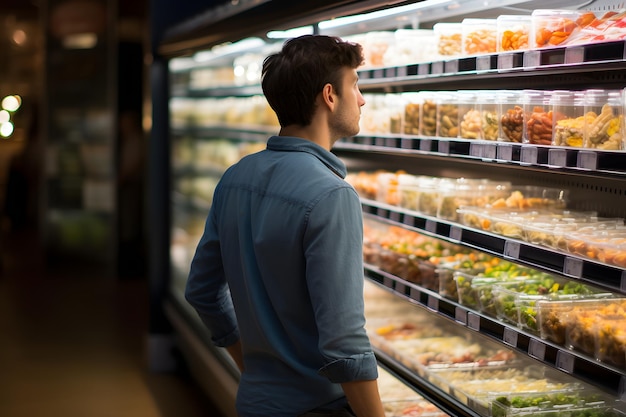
395, 105
579, 402
412, 109
472, 286
469, 115
478, 388
513, 32
510, 116
412, 46
610, 346
537, 117
568, 118
524, 198
447, 115
376, 46
479, 36
449, 38
552, 28
428, 113
488, 106
408, 408
429, 194
581, 331
466, 192
471, 264
409, 191
604, 119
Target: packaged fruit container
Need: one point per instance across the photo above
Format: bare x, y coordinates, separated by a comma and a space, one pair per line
552, 27
537, 117
428, 113
479, 36
449, 38
468, 115
604, 120
430, 188
513, 32
510, 115
489, 124
412, 109
568, 118
530, 197
409, 191
447, 115
469, 193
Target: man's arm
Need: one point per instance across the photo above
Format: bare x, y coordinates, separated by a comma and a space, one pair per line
364, 398
237, 354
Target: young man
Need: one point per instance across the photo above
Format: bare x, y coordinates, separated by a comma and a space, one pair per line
278, 276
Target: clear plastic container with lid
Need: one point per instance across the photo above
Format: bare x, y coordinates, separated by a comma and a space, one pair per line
428, 113
604, 120
409, 191
510, 116
479, 36
553, 27
412, 107
537, 117
469, 114
568, 118
376, 46
488, 106
449, 38
430, 188
447, 114
513, 32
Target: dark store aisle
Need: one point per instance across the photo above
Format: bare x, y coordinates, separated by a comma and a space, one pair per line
72, 344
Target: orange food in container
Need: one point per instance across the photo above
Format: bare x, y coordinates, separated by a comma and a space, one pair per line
513, 32
479, 36
552, 28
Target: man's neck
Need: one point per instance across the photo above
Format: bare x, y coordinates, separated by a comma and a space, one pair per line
309, 133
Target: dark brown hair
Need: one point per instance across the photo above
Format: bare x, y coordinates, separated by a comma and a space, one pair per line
293, 77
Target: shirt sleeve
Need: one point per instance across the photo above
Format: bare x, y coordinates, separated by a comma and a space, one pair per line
334, 269
207, 290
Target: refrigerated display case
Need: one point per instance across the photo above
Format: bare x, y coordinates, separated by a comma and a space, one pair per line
216, 114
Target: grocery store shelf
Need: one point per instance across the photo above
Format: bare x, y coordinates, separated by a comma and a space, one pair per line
544, 157
555, 356
239, 132
542, 65
444, 401
610, 277
228, 91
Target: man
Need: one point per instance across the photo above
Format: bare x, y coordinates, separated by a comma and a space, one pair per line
277, 276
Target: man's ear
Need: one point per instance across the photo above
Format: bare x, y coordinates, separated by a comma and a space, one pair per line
329, 96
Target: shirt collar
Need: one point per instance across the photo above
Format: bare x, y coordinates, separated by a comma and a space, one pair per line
294, 144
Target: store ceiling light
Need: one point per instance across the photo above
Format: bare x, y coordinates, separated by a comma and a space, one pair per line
6, 129
291, 33
400, 11
11, 103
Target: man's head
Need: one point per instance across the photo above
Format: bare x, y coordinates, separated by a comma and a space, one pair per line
293, 78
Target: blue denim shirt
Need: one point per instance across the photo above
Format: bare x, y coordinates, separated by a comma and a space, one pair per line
283, 246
